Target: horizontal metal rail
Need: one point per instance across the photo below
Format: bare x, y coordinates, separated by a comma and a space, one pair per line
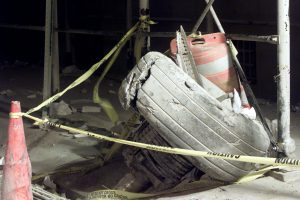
272, 39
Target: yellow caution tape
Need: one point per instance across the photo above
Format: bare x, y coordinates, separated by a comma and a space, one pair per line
145, 22
257, 174
140, 37
201, 185
15, 115
104, 103
124, 195
88, 73
139, 44
179, 151
271, 163
115, 195
124, 135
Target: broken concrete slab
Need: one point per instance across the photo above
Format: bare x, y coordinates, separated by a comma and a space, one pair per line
66, 134
81, 101
289, 175
260, 189
90, 109
60, 109
7, 92
80, 136
32, 96
49, 183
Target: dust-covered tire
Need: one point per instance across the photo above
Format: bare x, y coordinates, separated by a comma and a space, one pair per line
187, 117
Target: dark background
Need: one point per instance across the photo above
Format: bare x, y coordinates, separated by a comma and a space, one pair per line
249, 17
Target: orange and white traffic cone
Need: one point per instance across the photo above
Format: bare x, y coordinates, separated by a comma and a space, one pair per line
16, 182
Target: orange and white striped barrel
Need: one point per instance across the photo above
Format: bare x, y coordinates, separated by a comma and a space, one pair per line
213, 60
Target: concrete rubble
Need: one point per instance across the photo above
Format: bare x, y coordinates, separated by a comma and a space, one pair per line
32, 96
49, 183
90, 109
60, 109
7, 92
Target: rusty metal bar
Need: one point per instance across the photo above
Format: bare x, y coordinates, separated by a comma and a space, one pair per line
272, 39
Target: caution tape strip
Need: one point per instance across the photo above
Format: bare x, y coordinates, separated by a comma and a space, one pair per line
104, 103
88, 73
171, 150
116, 195
200, 184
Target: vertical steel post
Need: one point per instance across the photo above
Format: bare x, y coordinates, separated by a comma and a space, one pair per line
47, 54
55, 52
283, 83
145, 11
209, 23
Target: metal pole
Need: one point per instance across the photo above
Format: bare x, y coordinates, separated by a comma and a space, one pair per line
202, 16
55, 52
47, 55
145, 11
283, 84
209, 23
271, 39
